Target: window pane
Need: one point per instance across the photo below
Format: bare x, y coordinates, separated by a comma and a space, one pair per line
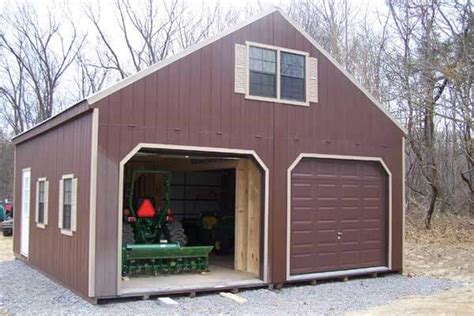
41, 213
292, 59
292, 88
269, 67
256, 64
256, 53
263, 85
67, 217
269, 55
292, 65
67, 191
67, 185
262, 60
292, 76
41, 192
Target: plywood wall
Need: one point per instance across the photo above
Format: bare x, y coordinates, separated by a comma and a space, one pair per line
247, 217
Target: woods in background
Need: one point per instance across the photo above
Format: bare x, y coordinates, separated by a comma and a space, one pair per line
415, 56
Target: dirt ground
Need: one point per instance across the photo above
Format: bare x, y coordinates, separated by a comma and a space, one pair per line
445, 251
6, 245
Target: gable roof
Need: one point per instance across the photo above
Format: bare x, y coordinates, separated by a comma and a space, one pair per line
153, 68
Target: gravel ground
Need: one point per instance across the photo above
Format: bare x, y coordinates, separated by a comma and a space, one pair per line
24, 291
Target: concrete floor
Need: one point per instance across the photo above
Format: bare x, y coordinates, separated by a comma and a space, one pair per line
218, 276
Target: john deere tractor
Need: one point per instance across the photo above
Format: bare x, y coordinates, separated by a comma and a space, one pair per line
153, 240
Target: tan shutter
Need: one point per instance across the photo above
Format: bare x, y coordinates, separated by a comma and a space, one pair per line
240, 80
46, 203
37, 203
60, 208
74, 205
312, 82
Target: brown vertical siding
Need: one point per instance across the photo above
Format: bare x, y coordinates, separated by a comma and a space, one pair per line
64, 149
192, 102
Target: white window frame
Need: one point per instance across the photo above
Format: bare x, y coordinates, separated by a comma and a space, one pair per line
68, 232
278, 98
45, 202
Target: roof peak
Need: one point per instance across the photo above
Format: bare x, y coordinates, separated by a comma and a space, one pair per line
165, 62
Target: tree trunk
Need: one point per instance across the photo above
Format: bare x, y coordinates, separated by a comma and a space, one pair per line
431, 209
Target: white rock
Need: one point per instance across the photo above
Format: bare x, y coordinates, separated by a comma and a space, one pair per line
167, 302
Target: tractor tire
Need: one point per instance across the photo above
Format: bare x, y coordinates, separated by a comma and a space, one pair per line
175, 233
128, 237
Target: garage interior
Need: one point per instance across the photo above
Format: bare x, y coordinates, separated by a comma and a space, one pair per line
219, 202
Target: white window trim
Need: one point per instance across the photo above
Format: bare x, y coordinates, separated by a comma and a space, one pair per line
67, 232
46, 204
278, 99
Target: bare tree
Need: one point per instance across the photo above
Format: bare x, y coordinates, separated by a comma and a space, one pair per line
6, 167
89, 78
151, 31
42, 54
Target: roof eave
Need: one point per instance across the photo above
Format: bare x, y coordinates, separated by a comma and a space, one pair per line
59, 118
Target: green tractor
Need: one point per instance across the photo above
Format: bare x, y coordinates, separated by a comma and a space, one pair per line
153, 240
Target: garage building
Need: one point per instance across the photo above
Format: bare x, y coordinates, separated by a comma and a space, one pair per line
261, 145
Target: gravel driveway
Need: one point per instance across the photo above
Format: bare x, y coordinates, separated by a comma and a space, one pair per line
27, 292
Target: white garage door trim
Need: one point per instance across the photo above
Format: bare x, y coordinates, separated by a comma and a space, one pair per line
289, 277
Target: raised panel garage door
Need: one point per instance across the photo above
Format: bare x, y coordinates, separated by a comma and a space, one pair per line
338, 215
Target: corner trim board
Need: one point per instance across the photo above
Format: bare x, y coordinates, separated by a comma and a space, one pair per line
403, 202
93, 201
290, 277
195, 149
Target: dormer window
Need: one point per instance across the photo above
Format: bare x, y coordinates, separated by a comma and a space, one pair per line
275, 74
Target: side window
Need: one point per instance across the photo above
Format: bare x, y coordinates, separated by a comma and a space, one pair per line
42, 192
292, 71
67, 204
67, 194
262, 72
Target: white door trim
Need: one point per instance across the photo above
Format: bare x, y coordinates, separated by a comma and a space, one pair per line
195, 149
25, 220
289, 277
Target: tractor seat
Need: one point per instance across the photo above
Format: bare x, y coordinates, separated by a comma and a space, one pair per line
146, 209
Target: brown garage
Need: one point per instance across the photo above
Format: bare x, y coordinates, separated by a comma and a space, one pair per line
257, 128
339, 215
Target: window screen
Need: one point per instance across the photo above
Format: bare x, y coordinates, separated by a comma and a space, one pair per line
67, 204
262, 72
41, 202
292, 76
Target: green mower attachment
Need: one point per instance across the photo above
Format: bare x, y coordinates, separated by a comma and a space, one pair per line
147, 255
164, 258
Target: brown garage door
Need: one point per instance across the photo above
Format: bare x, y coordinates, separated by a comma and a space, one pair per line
338, 215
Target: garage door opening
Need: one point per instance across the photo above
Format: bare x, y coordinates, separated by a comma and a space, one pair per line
209, 206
